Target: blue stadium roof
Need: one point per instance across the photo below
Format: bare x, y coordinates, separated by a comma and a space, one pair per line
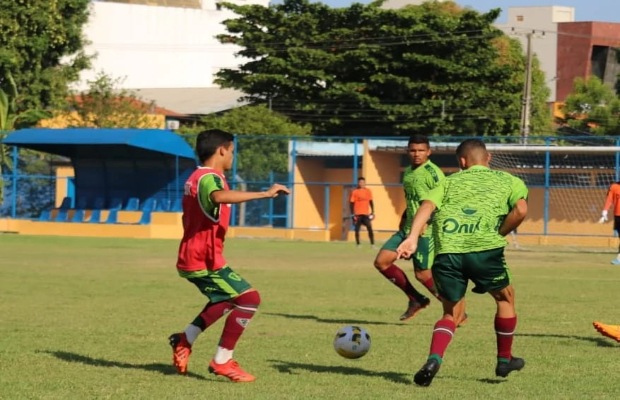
76, 142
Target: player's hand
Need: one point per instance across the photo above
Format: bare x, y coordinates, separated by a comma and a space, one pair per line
406, 249
354, 218
371, 216
603, 217
276, 190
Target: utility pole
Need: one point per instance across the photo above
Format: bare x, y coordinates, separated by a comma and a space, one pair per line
527, 92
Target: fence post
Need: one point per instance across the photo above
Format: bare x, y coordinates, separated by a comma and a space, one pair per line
233, 208
617, 161
326, 212
14, 195
291, 183
355, 160
547, 184
270, 218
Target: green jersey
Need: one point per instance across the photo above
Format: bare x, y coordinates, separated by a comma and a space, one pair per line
472, 205
417, 183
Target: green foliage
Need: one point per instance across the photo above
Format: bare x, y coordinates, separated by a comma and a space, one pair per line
257, 156
106, 105
592, 107
363, 70
41, 47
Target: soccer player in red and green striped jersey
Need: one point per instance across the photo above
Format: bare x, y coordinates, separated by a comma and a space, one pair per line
206, 215
476, 209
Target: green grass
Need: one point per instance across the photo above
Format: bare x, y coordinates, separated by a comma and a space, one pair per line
89, 318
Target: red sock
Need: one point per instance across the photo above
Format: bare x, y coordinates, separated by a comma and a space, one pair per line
398, 277
504, 330
238, 319
430, 285
442, 335
211, 313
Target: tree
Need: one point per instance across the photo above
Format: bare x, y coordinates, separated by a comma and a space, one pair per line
106, 105
592, 107
41, 47
364, 70
257, 156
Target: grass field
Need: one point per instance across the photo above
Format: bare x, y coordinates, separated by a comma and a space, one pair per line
85, 318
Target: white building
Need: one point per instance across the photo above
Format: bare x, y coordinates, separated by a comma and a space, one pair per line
160, 50
542, 22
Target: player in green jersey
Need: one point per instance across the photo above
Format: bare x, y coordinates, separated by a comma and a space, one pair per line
419, 178
476, 209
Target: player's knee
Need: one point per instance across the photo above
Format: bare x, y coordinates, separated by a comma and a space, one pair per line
248, 301
381, 264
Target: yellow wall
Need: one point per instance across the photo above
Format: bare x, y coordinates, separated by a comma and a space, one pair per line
61, 183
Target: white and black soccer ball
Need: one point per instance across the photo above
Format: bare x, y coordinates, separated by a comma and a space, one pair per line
352, 342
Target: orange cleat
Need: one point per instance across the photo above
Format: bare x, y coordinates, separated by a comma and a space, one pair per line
181, 350
231, 370
611, 331
413, 308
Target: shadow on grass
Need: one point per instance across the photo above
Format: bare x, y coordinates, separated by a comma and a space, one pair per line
331, 321
492, 381
165, 369
599, 341
286, 367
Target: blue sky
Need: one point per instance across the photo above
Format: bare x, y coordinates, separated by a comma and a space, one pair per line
585, 10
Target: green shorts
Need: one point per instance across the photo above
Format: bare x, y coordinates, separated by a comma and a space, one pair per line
221, 285
486, 269
423, 257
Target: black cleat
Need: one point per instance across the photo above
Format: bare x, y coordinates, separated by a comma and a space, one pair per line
515, 364
425, 375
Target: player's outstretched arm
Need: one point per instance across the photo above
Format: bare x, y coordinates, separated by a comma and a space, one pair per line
514, 217
238, 196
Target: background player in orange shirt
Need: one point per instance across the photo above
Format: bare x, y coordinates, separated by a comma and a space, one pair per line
362, 210
613, 196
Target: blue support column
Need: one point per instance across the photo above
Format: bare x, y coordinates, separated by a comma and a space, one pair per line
176, 173
271, 200
233, 209
617, 161
14, 194
291, 183
547, 186
326, 212
355, 161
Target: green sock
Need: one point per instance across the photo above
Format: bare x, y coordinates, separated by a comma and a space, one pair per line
435, 357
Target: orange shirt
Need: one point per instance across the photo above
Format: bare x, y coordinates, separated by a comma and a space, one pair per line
361, 199
613, 196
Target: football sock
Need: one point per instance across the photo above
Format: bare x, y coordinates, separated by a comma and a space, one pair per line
222, 355
398, 277
211, 313
371, 235
430, 285
192, 332
504, 330
238, 319
442, 335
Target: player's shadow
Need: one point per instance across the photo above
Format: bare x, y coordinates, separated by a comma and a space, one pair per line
165, 369
331, 321
599, 341
287, 367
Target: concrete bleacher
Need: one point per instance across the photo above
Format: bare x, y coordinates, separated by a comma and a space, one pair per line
131, 211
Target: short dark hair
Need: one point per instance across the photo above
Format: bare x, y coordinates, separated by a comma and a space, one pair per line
469, 145
209, 141
361, 178
418, 138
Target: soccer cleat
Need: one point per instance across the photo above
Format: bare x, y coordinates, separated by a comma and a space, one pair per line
425, 375
503, 368
181, 350
414, 308
611, 331
231, 370
615, 261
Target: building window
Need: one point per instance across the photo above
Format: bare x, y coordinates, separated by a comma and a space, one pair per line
520, 18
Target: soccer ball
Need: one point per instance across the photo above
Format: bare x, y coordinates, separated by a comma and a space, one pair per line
352, 342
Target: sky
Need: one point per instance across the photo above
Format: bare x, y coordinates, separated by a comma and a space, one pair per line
585, 10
